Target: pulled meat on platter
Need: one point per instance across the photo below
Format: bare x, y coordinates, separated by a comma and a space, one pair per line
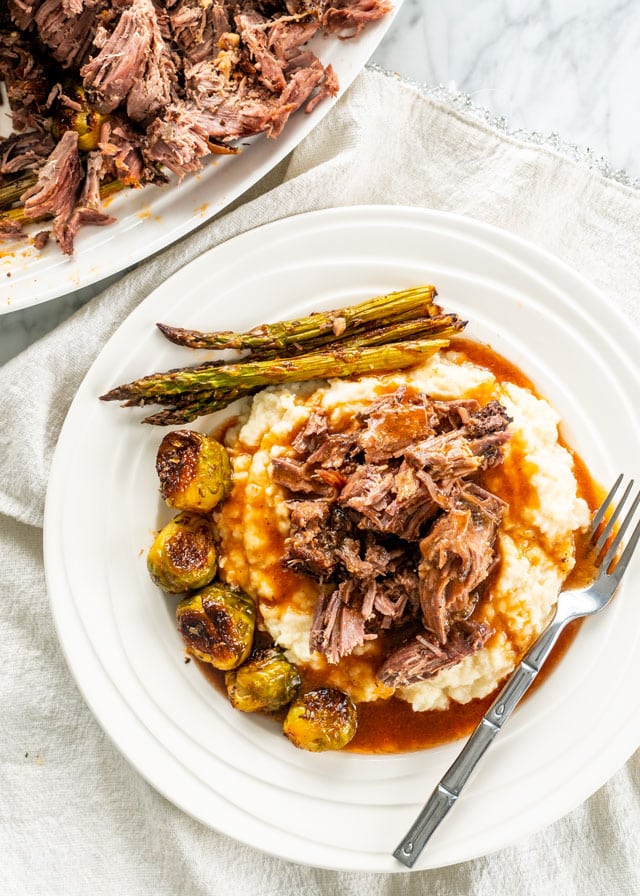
388, 514
150, 86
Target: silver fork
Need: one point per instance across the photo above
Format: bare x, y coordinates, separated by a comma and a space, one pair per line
571, 605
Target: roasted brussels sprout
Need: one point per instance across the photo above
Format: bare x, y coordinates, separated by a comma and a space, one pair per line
217, 625
194, 471
183, 555
324, 719
77, 116
266, 682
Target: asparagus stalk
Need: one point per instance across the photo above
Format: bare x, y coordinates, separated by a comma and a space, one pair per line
187, 412
183, 408
244, 376
317, 328
441, 327
17, 214
189, 406
208, 398
13, 190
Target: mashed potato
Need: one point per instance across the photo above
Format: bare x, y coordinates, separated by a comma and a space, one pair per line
535, 541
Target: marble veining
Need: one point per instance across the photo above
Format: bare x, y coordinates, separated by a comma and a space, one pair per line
554, 67
566, 66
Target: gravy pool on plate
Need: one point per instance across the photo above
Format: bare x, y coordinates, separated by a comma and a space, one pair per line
547, 497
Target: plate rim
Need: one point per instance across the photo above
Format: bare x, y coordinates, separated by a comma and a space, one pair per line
343, 212
64, 275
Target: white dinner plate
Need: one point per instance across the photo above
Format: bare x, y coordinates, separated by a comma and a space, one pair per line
236, 772
154, 217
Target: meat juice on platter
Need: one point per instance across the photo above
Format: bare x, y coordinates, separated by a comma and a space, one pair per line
387, 545
106, 94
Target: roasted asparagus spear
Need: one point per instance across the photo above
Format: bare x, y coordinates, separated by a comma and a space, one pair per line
318, 328
244, 376
12, 190
385, 333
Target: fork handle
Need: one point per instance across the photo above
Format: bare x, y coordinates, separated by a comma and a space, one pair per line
448, 790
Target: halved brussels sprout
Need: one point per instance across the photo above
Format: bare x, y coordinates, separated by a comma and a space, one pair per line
266, 682
324, 719
217, 625
194, 471
183, 555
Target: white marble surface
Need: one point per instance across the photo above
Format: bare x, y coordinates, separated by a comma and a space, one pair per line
565, 66
570, 67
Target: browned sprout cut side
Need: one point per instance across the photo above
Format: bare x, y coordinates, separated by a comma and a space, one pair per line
217, 625
324, 719
265, 683
183, 554
194, 471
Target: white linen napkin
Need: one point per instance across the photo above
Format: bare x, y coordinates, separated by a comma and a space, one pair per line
74, 817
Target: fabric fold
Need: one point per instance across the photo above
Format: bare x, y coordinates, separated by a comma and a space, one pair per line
74, 815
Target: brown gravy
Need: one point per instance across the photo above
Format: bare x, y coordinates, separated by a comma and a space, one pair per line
392, 726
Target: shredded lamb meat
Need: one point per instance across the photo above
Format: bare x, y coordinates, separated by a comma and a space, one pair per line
457, 556
422, 656
388, 515
24, 152
27, 84
68, 29
174, 80
23, 11
197, 27
58, 188
142, 76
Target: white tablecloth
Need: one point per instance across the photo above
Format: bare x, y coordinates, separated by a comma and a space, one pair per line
74, 817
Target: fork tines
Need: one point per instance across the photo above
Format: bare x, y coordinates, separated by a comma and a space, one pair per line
601, 531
